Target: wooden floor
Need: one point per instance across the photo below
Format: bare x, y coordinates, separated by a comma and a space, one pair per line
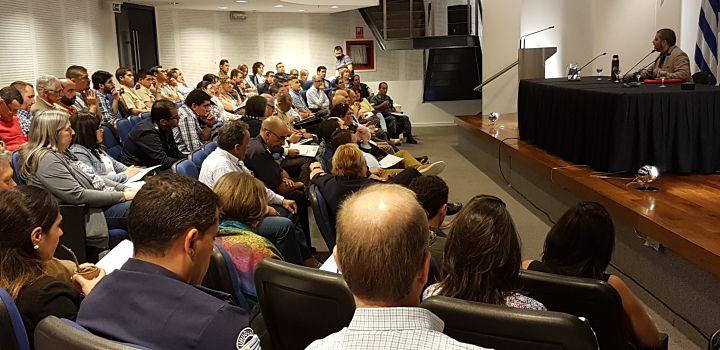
684, 215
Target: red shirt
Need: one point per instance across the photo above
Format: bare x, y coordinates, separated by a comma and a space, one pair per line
12, 134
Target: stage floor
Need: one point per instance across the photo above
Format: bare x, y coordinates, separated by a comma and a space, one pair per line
683, 216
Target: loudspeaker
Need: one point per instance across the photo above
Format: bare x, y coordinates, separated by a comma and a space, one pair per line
458, 19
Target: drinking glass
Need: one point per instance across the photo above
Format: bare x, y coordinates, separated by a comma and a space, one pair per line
663, 76
616, 74
599, 71
638, 76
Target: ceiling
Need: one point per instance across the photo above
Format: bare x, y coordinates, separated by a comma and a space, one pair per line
309, 6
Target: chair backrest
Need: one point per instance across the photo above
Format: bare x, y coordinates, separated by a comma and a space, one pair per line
210, 147
16, 169
303, 94
53, 333
595, 300
288, 293
501, 327
123, 127
308, 84
222, 276
198, 157
186, 167
701, 78
12, 329
321, 212
73, 226
135, 119
714, 343
112, 143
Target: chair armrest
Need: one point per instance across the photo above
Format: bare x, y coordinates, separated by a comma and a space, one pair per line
73, 226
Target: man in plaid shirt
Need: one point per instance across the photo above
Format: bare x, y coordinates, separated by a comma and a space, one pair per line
104, 86
192, 132
388, 315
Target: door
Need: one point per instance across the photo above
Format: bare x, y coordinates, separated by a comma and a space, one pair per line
137, 37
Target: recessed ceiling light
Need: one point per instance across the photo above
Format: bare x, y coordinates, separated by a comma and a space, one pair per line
222, 7
301, 10
334, 6
173, 3
278, 6
241, 1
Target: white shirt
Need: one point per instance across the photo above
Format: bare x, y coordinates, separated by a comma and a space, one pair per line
221, 162
403, 328
317, 99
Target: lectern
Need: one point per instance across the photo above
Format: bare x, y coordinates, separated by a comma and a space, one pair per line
532, 62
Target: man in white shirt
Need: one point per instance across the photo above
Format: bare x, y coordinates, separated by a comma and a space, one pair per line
388, 315
316, 97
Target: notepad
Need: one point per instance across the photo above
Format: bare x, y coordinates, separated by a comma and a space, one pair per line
141, 174
117, 257
305, 150
389, 161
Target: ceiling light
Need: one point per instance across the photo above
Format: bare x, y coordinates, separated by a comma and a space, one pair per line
222, 7
301, 10
173, 3
241, 1
278, 6
334, 7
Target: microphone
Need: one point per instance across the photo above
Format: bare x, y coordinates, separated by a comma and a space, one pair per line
591, 61
643, 59
522, 38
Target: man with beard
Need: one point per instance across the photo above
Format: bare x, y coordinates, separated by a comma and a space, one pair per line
49, 93
343, 61
86, 100
69, 97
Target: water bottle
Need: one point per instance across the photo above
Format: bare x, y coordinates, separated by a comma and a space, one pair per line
615, 68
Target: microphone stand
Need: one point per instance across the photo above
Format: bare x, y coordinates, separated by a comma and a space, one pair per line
522, 38
591, 61
643, 59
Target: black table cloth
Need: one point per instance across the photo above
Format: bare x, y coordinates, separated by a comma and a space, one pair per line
614, 128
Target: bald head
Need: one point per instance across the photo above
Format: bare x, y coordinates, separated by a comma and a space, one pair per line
274, 124
392, 241
338, 100
274, 132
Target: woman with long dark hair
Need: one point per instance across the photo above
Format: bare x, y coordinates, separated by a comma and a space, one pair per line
581, 245
482, 257
88, 147
30, 225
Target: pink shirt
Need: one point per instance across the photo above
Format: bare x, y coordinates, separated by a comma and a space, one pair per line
12, 134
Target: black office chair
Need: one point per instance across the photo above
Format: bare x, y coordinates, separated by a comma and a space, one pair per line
701, 78
53, 333
321, 212
300, 305
714, 343
595, 300
222, 276
12, 330
504, 328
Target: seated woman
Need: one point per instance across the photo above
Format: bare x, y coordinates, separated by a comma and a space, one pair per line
88, 148
255, 112
45, 163
482, 257
581, 245
30, 229
243, 204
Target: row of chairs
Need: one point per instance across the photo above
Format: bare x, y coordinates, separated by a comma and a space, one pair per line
191, 167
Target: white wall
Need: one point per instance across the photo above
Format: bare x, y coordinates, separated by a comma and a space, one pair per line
46, 36
501, 30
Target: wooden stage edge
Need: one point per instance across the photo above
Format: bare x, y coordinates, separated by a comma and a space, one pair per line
684, 216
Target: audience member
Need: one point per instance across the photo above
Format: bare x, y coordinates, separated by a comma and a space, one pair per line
228, 96
6, 171
391, 242
316, 97
280, 72
285, 110
145, 90
482, 257
257, 78
88, 148
303, 76
177, 74
322, 75
31, 230
107, 96
45, 163
432, 194
384, 104
297, 100
11, 101
294, 74
163, 89
173, 225
190, 135
85, 100
69, 97
269, 79
217, 112
342, 61
256, 110
49, 94
581, 244
28, 94
132, 103
361, 89
151, 141
243, 200
224, 68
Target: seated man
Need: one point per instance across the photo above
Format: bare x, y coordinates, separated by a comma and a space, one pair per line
360, 88
11, 133
264, 87
145, 90
672, 62
28, 93
104, 86
153, 300
316, 97
280, 74
297, 101
261, 158
388, 315
162, 85
85, 98
432, 194
384, 104
50, 92
151, 141
322, 75
6, 170
190, 134
132, 103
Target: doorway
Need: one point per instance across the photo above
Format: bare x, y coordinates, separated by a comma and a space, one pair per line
137, 37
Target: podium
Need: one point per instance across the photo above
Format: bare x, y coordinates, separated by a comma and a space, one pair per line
531, 62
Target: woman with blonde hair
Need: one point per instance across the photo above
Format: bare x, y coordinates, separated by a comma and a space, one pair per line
30, 229
248, 234
46, 163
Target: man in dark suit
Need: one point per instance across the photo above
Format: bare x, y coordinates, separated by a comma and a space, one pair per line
151, 141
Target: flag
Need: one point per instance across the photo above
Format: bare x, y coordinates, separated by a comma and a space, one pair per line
706, 49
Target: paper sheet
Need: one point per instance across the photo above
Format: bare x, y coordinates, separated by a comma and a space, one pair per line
305, 150
115, 259
141, 174
330, 266
389, 161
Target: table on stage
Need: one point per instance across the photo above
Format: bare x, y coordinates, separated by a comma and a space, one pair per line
612, 128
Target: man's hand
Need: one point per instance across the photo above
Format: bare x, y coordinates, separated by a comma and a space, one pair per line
91, 98
115, 94
272, 211
288, 182
292, 153
290, 205
206, 134
295, 138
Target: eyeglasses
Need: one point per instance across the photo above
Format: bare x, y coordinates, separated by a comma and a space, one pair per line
276, 135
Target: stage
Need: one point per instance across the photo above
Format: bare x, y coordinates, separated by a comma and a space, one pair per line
668, 242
